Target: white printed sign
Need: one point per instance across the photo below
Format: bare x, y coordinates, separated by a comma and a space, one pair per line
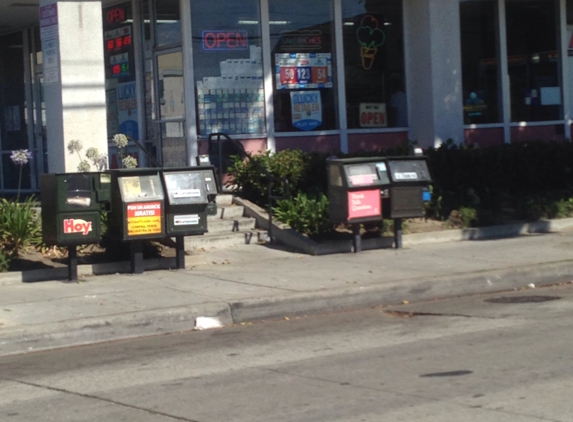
187, 193
306, 107
405, 176
186, 220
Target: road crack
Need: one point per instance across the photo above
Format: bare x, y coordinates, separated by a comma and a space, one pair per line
103, 399
411, 314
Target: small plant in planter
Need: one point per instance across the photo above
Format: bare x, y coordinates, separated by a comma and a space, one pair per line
19, 222
307, 215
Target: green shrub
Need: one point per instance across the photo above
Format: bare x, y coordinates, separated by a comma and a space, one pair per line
19, 226
4, 262
305, 214
463, 218
521, 181
251, 176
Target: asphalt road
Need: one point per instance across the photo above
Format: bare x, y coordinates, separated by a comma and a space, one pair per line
466, 359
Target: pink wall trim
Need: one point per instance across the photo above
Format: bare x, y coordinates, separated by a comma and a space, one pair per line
544, 133
326, 143
484, 137
252, 146
375, 141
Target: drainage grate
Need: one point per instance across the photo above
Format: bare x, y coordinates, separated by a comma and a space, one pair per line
522, 299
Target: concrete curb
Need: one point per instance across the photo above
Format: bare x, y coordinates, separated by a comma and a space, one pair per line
21, 339
322, 301
83, 331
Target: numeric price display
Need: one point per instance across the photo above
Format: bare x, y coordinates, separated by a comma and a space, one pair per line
118, 50
120, 69
118, 43
303, 70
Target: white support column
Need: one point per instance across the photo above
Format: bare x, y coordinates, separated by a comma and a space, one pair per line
74, 79
566, 32
338, 32
268, 75
189, 84
433, 71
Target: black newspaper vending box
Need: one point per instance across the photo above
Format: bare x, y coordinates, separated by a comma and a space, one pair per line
188, 191
138, 205
354, 192
71, 207
137, 210
408, 189
72, 204
189, 197
354, 186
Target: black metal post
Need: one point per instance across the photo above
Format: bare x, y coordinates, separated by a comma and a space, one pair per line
180, 251
220, 149
72, 263
136, 255
270, 209
398, 233
356, 239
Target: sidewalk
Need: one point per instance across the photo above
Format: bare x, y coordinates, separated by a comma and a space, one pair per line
254, 282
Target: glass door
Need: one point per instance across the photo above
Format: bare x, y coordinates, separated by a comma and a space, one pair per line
170, 123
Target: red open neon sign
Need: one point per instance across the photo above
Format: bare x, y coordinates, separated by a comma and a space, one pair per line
225, 40
116, 15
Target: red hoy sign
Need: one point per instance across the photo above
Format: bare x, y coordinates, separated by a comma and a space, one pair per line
74, 225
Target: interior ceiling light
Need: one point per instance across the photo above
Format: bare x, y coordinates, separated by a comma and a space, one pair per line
255, 22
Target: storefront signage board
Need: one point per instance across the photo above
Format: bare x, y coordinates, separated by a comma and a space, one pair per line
50, 45
303, 70
306, 108
49, 22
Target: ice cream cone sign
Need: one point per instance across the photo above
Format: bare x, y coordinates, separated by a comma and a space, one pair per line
370, 37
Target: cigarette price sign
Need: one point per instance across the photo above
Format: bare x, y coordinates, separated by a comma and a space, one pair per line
303, 70
118, 51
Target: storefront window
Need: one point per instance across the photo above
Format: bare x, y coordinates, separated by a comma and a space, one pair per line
228, 67
374, 64
302, 54
533, 60
480, 70
168, 23
13, 124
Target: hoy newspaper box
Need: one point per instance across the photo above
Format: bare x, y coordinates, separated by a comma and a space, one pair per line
71, 207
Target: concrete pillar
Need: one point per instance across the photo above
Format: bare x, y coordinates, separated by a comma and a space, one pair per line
74, 80
433, 71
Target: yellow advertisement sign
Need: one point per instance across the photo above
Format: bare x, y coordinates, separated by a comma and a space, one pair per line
144, 218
